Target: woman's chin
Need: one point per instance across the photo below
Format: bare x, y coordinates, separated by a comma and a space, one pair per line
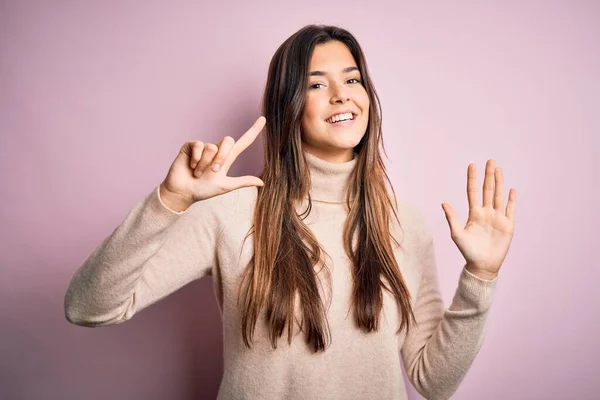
346, 141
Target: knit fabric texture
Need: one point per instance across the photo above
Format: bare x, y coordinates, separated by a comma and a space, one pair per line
156, 251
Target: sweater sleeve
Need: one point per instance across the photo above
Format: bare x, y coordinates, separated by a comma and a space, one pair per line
438, 352
152, 253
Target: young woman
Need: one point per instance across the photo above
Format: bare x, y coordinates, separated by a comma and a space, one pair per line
322, 278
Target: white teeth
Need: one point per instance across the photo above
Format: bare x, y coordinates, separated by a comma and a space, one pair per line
340, 117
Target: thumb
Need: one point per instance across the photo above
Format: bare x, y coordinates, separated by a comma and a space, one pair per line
243, 181
452, 219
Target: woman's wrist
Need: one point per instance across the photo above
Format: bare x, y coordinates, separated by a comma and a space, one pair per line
174, 201
481, 274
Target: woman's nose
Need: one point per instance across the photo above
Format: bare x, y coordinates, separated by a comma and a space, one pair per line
339, 95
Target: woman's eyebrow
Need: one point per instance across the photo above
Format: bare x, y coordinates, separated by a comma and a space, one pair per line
322, 73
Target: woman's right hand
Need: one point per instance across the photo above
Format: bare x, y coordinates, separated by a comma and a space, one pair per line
200, 170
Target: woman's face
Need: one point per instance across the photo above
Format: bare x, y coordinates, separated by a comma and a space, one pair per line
334, 90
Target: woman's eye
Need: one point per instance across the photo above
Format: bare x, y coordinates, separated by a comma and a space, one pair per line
316, 85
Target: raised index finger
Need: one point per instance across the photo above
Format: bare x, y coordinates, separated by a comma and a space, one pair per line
244, 141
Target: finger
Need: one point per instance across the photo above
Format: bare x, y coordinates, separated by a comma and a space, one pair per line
499, 190
244, 141
208, 154
242, 181
488, 184
472, 195
225, 146
512, 204
185, 151
452, 220
196, 153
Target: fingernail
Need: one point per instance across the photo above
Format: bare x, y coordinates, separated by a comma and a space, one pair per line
216, 167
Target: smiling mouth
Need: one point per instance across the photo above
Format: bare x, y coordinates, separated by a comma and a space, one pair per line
342, 124
341, 121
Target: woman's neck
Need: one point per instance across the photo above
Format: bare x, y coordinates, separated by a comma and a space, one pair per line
341, 156
329, 180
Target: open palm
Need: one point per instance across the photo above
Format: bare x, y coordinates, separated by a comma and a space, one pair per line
485, 239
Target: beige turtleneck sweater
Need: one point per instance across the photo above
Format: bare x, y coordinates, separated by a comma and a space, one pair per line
156, 251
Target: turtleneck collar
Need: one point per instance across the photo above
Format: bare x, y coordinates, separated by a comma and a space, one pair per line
329, 180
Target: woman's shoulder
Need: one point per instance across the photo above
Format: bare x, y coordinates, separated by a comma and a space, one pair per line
410, 213
413, 222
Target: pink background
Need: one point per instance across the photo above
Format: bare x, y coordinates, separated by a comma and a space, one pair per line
96, 100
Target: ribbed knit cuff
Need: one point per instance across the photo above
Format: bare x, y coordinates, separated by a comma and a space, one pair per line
158, 211
476, 291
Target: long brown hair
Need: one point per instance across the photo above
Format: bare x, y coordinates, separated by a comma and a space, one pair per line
285, 250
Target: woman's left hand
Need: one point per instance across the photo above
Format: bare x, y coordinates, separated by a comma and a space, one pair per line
486, 238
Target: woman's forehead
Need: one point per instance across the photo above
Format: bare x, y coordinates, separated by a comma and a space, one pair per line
331, 58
